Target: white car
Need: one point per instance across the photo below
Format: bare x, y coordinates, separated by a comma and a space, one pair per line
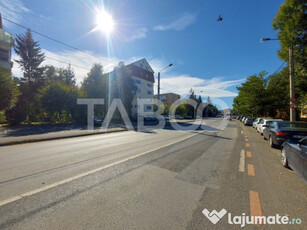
255, 123
263, 124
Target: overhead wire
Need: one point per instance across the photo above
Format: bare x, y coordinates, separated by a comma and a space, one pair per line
57, 41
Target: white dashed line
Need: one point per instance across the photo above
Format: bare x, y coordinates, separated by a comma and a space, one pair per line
242, 161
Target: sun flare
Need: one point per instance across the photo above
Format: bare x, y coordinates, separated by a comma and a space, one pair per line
105, 22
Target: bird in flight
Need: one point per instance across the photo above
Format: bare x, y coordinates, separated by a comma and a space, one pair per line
220, 18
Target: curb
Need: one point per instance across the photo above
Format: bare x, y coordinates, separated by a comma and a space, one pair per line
58, 137
40, 139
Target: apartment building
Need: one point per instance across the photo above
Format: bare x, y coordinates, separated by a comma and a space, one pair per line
143, 76
6, 43
168, 98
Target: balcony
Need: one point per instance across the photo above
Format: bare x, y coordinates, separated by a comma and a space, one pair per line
6, 38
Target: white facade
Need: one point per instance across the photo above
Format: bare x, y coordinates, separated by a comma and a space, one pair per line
142, 75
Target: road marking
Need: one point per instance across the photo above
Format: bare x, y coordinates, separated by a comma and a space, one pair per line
20, 196
242, 161
241, 131
250, 170
247, 145
254, 202
246, 139
249, 154
245, 136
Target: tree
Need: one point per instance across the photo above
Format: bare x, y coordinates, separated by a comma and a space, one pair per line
278, 94
252, 99
9, 90
31, 57
67, 75
95, 84
58, 98
291, 21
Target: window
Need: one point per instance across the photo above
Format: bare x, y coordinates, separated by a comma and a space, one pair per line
149, 92
147, 75
148, 85
138, 90
4, 55
142, 74
148, 107
138, 82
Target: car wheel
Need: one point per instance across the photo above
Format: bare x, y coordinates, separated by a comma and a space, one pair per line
271, 142
284, 159
264, 137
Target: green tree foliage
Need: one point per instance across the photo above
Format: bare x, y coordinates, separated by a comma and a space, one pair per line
64, 75
9, 90
278, 94
58, 98
67, 75
252, 98
94, 85
291, 21
31, 57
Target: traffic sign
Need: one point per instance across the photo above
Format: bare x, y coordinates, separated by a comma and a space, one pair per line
293, 106
292, 99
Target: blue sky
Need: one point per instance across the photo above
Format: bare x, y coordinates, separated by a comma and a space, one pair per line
207, 55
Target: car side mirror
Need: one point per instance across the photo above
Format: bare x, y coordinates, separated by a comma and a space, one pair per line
265, 126
302, 142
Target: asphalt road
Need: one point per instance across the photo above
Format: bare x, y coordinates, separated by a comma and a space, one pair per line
159, 179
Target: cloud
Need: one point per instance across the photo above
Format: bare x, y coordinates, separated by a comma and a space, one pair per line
215, 87
170, 82
81, 62
138, 34
180, 23
13, 10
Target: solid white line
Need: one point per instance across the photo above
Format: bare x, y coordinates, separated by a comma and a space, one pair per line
242, 161
12, 199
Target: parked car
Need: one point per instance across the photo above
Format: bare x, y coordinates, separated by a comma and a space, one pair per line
256, 121
294, 156
97, 120
248, 121
280, 131
229, 118
243, 119
263, 124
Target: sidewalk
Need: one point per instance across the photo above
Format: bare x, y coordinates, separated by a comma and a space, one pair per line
9, 137
36, 133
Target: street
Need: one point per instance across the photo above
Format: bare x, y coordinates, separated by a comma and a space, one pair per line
158, 179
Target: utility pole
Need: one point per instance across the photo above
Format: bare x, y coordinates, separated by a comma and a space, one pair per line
292, 92
159, 86
291, 76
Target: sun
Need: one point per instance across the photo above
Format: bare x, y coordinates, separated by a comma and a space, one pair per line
105, 22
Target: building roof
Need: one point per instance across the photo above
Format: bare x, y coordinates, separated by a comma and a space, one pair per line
142, 64
142, 69
170, 93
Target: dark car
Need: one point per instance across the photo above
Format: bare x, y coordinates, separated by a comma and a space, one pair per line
280, 131
294, 155
248, 121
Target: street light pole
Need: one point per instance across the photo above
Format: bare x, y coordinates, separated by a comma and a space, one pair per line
291, 78
159, 79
